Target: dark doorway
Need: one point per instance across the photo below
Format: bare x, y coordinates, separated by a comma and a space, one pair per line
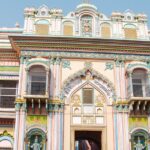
88, 140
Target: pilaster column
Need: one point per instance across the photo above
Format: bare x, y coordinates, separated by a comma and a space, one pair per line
47, 81
51, 77
22, 126
26, 81
20, 76
123, 83
61, 144
118, 79
58, 61
55, 127
130, 86
16, 134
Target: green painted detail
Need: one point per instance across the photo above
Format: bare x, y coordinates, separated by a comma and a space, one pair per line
37, 120
66, 64
88, 65
109, 66
141, 122
138, 65
38, 61
9, 68
97, 55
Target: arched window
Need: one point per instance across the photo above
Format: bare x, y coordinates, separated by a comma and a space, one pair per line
130, 32
139, 140
139, 83
42, 27
37, 80
105, 30
86, 25
68, 28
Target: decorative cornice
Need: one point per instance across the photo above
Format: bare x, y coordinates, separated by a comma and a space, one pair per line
88, 55
79, 44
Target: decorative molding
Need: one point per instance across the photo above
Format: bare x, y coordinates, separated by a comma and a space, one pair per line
95, 78
88, 65
31, 62
109, 66
130, 66
80, 55
66, 64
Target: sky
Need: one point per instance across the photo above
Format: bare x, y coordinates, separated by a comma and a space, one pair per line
11, 11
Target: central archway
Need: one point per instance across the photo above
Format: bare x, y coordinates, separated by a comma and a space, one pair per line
88, 97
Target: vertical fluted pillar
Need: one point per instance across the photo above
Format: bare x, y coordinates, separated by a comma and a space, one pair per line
130, 86
47, 81
118, 90
16, 134
22, 127
26, 81
20, 76
58, 61
51, 78
49, 128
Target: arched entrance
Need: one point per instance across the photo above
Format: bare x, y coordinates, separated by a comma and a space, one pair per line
88, 96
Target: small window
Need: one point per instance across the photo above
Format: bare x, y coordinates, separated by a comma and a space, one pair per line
87, 96
105, 30
8, 92
42, 27
130, 32
68, 29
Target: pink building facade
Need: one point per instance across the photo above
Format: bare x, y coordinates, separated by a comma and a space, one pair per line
75, 82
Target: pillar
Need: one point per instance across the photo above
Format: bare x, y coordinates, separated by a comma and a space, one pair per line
20, 76
118, 89
16, 134
47, 82
58, 61
22, 127
55, 127
130, 86
51, 78
26, 82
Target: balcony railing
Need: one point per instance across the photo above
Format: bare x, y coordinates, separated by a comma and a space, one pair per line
7, 97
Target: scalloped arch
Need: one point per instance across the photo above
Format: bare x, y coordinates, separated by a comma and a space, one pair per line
81, 73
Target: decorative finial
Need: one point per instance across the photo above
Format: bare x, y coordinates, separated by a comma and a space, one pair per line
86, 1
17, 25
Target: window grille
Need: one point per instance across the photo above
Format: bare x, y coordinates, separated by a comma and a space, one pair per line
37, 81
140, 84
8, 92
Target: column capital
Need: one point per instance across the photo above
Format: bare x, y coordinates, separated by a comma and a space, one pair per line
17, 106
119, 62
58, 61
21, 59
52, 60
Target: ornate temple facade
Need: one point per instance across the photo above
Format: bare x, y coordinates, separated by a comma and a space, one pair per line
75, 82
